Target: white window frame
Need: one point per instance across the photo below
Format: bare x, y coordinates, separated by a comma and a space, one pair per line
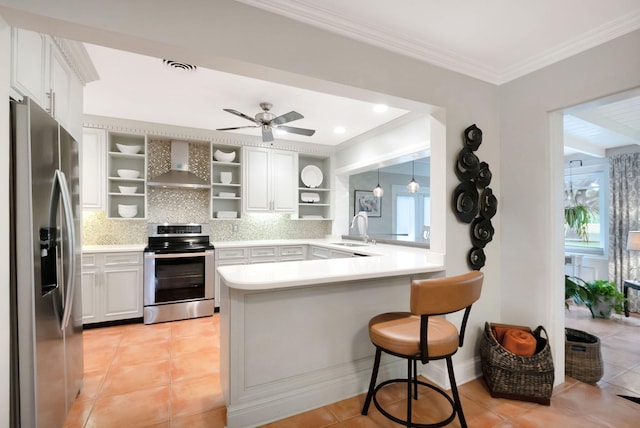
601, 169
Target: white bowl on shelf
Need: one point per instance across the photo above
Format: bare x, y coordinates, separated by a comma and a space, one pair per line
224, 156
127, 211
127, 190
128, 173
130, 150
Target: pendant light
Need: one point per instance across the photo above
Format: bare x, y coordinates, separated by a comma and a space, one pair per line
378, 191
413, 185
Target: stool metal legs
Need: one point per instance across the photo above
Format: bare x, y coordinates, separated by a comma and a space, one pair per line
454, 390
372, 384
412, 379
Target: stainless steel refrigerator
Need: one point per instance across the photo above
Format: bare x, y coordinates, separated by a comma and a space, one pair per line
46, 334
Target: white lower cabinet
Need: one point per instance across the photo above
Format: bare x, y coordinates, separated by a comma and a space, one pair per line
111, 286
226, 257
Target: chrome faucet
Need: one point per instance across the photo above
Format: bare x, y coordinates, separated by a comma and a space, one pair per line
362, 226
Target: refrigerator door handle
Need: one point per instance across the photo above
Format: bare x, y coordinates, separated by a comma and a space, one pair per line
61, 189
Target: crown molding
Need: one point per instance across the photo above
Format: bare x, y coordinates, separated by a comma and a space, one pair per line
585, 41
78, 58
383, 38
157, 130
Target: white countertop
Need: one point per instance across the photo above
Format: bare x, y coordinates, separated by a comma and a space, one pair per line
383, 261
113, 248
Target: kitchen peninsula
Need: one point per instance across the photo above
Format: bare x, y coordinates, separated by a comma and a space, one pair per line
294, 334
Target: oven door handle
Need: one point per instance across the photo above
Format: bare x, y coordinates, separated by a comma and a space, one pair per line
176, 255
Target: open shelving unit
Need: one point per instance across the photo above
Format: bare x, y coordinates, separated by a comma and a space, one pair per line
320, 210
117, 160
226, 197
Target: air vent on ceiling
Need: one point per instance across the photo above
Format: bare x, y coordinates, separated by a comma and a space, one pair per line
179, 65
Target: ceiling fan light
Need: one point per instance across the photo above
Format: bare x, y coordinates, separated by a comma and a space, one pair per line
380, 108
339, 130
281, 132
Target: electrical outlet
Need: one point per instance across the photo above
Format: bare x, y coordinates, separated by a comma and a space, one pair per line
234, 228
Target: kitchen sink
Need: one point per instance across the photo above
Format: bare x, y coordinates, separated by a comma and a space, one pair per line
350, 244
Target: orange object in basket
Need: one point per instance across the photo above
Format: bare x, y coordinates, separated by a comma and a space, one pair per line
519, 342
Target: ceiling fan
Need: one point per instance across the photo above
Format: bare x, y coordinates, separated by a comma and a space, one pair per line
268, 121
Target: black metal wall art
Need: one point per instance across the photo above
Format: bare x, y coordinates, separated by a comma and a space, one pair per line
473, 200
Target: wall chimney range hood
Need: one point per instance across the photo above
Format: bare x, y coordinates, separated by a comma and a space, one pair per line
179, 176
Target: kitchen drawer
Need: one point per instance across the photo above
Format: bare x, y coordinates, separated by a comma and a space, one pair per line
263, 252
88, 260
231, 253
340, 254
319, 253
119, 259
292, 250
263, 260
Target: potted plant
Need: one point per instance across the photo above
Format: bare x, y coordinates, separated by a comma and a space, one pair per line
573, 289
601, 296
577, 217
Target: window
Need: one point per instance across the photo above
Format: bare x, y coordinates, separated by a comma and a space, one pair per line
411, 212
590, 188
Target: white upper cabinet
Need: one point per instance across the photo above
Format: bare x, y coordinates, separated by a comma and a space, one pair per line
270, 180
59, 92
93, 178
29, 65
52, 72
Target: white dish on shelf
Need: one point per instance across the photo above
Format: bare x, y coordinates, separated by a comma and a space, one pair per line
227, 214
227, 194
128, 173
224, 156
313, 217
309, 197
127, 211
130, 150
127, 190
311, 176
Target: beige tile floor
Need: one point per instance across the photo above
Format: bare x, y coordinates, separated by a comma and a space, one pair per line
167, 375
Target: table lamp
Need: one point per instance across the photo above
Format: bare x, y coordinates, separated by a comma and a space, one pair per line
633, 242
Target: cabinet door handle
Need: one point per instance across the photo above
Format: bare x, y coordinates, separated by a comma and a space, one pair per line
52, 103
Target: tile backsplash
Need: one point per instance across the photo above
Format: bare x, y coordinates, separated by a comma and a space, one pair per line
192, 206
98, 230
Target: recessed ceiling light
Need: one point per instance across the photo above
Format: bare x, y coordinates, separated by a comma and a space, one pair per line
339, 130
380, 108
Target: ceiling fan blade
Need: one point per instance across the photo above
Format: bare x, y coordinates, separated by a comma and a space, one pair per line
300, 131
287, 117
267, 135
237, 127
237, 113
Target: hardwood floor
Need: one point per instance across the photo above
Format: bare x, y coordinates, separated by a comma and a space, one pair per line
167, 375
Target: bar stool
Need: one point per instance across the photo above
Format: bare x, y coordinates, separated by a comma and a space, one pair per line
422, 335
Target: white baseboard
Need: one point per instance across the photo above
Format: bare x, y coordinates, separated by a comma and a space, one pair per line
299, 400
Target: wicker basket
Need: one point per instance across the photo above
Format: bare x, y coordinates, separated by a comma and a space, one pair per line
527, 378
583, 359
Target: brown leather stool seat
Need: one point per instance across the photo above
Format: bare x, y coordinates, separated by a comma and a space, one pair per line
421, 335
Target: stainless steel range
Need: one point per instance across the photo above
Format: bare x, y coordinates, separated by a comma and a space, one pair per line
178, 273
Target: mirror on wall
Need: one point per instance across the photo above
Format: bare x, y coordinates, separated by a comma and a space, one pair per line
397, 215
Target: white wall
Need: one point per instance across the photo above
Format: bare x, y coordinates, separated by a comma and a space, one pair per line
223, 35
5, 44
532, 177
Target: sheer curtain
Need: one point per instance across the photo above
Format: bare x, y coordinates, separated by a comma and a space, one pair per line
624, 215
